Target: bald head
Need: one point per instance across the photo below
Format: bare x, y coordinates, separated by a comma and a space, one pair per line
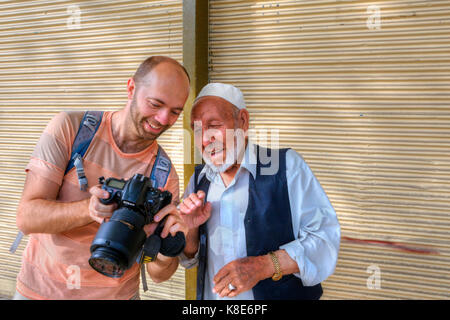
150, 63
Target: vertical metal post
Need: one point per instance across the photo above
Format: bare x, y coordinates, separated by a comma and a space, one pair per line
195, 60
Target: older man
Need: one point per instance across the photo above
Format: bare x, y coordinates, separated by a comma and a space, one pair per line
254, 233
62, 211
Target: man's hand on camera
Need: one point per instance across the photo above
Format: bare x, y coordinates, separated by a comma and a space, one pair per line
194, 211
97, 210
173, 223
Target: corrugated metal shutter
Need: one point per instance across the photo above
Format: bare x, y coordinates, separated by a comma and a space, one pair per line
361, 90
58, 55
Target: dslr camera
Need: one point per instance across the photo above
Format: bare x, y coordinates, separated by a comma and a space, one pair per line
121, 240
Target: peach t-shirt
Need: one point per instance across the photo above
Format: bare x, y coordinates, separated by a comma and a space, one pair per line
55, 266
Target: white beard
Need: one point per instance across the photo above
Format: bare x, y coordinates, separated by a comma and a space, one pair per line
233, 154
230, 160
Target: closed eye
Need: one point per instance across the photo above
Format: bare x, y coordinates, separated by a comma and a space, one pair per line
155, 105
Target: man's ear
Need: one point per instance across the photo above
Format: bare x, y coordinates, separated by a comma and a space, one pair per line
131, 88
244, 119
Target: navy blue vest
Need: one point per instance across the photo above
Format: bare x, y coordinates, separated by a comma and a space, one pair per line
268, 225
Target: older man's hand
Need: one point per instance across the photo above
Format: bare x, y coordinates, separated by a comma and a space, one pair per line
194, 211
242, 274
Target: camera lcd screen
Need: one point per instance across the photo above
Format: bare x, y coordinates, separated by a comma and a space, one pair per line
117, 184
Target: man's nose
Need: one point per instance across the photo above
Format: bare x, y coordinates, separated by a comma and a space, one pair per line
163, 117
207, 137
212, 136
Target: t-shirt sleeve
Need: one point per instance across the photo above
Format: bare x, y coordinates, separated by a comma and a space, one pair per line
52, 152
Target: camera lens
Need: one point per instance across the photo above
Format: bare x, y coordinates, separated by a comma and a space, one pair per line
108, 262
117, 243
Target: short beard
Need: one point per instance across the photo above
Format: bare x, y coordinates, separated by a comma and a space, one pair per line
229, 162
138, 122
231, 158
134, 115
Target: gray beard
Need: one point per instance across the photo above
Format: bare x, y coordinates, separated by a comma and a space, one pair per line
229, 162
230, 159
218, 169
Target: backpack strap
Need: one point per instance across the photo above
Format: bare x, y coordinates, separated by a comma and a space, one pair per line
158, 177
86, 132
88, 128
161, 169
16, 242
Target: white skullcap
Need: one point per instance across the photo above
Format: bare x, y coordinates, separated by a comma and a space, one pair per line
225, 91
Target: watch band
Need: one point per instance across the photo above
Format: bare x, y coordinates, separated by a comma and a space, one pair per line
277, 275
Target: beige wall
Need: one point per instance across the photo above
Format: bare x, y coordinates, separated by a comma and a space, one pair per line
73, 55
361, 90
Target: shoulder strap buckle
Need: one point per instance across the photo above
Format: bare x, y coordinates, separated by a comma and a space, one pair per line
78, 163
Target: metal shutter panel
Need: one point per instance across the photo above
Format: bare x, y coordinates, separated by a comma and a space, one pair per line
58, 55
365, 99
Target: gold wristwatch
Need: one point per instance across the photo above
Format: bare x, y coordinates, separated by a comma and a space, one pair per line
277, 275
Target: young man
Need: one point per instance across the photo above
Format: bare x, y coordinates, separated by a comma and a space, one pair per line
255, 233
62, 220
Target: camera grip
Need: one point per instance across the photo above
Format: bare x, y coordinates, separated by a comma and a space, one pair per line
171, 246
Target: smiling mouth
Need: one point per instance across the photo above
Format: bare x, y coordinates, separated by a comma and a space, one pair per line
153, 126
214, 152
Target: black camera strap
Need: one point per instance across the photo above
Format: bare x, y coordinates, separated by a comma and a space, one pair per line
150, 249
158, 177
148, 254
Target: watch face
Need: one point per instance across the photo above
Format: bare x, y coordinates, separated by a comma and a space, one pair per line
277, 276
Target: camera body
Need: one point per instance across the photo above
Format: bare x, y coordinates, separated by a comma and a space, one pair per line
136, 194
120, 241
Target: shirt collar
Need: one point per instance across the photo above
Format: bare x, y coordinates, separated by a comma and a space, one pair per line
248, 163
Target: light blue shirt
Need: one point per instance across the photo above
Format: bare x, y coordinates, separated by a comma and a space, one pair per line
314, 221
